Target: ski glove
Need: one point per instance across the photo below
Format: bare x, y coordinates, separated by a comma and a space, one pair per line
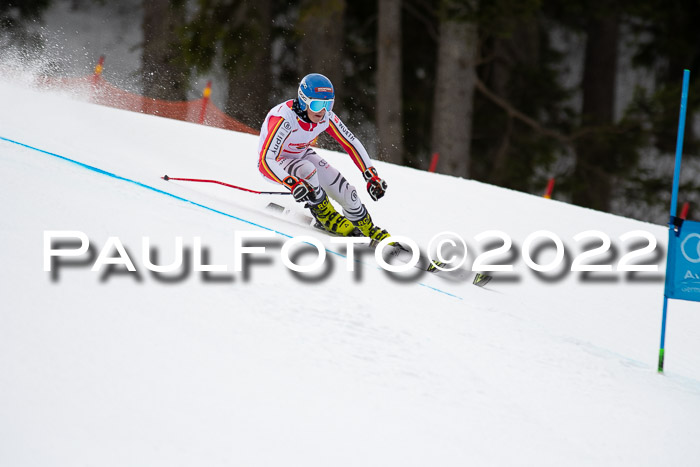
301, 190
376, 187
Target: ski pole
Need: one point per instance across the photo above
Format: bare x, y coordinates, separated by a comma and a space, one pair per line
166, 178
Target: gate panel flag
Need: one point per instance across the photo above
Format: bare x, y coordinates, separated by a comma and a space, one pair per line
683, 262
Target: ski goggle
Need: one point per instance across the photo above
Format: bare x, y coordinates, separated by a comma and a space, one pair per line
316, 105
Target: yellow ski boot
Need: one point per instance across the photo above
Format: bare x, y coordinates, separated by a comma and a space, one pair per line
332, 220
368, 229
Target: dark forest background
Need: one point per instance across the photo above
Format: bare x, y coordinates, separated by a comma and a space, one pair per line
489, 85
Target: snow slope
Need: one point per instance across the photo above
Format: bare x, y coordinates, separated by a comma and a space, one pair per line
117, 368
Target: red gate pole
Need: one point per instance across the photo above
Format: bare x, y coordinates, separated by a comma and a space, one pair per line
98, 71
550, 188
205, 100
434, 162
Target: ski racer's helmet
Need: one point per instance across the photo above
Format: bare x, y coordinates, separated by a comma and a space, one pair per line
316, 92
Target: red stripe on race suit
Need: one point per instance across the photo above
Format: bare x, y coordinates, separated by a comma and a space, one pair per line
349, 148
273, 126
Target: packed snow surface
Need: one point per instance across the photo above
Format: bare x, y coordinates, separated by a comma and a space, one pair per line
266, 367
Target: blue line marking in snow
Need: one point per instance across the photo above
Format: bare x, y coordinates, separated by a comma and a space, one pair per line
118, 177
109, 174
441, 291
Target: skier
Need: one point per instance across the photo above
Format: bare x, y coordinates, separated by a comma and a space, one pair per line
286, 157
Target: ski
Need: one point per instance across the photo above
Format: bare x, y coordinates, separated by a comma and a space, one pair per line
481, 280
288, 214
298, 218
394, 250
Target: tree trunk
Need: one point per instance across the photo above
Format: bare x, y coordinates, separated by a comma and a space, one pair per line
389, 118
454, 96
249, 75
164, 74
521, 48
594, 170
320, 26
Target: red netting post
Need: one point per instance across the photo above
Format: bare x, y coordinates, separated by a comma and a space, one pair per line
684, 210
550, 188
434, 162
205, 100
98, 70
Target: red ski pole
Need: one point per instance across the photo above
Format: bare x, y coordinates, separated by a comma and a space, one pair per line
166, 178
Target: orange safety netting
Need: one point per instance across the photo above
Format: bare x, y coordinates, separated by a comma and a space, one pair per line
102, 92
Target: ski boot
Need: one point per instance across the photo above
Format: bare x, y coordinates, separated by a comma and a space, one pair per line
331, 220
368, 229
